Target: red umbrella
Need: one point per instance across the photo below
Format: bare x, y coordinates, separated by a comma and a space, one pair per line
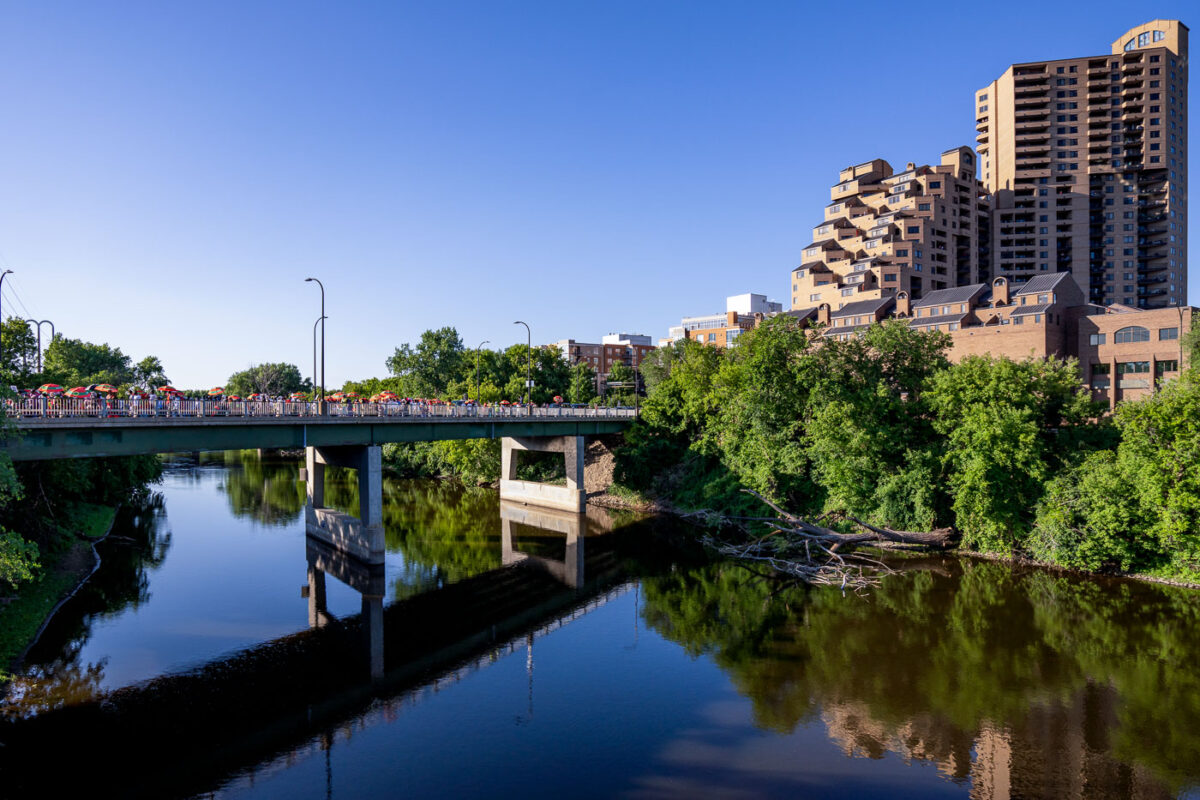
80, 391
216, 391
50, 388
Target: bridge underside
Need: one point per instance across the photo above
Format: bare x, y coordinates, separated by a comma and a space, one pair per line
81, 438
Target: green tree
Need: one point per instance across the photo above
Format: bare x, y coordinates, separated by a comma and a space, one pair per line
149, 372
73, 362
428, 369
269, 379
1009, 428
619, 385
19, 362
582, 388
867, 427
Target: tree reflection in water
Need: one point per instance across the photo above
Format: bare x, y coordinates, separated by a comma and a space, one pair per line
1050, 685
53, 676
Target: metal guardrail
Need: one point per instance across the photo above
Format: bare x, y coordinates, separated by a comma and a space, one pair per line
100, 410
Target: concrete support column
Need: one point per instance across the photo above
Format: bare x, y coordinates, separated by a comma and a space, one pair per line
370, 486
372, 618
314, 471
317, 614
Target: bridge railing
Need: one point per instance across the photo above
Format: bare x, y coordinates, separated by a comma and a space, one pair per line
71, 407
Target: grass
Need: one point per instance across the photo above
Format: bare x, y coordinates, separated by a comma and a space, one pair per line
21, 617
91, 520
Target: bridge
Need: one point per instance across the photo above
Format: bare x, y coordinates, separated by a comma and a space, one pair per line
349, 436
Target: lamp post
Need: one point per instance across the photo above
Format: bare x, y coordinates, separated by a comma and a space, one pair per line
315, 324
478, 395
39, 324
321, 407
6, 272
529, 367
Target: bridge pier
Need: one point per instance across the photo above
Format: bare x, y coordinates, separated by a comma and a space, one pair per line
369, 580
361, 537
571, 497
570, 570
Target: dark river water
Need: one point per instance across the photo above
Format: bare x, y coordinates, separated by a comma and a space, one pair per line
503, 653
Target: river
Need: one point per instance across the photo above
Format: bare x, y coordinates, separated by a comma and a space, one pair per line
505, 654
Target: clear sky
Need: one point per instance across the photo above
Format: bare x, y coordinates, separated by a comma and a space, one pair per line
171, 172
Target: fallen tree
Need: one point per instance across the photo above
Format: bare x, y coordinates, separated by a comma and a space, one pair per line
820, 555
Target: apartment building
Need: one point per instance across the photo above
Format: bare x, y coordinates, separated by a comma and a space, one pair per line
1123, 351
1085, 160
916, 231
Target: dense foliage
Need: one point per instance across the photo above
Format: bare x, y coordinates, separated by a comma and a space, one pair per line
274, 380
1014, 455
39, 501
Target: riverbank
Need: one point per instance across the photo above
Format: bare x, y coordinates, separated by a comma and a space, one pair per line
619, 497
24, 616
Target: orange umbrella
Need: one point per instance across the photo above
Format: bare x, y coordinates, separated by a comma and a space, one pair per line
216, 391
50, 388
79, 391
233, 397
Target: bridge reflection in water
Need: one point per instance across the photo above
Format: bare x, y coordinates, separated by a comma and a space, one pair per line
193, 729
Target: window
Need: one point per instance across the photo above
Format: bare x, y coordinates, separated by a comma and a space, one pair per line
1158, 37
1134, 333
712, 337
847, 292
1168, 333
1166, 366
1101, 369
1097, 339
1133, 367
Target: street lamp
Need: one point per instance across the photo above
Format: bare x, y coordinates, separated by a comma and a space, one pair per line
39, 324
322, 321
315, 352
478, 394
529, 367
6, 272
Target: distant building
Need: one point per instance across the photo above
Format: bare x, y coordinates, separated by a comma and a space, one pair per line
614, 348
742, 313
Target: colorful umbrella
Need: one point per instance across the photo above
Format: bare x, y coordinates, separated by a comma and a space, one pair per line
168, 389
106, 388
50, 388
336, 397
558, 398
297, 396
79, 391
216, 391
256, 396
233, 397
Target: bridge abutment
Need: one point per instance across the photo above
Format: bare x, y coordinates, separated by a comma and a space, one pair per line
571, 497
360, 537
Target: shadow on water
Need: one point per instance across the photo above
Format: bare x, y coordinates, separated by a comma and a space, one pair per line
1011, 682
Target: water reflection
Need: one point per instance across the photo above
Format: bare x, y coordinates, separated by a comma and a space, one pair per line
1018, 683
1005, 682
56, 674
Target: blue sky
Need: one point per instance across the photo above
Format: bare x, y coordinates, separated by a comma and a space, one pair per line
171, 172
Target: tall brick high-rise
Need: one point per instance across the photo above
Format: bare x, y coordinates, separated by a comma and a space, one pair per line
1086, 162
